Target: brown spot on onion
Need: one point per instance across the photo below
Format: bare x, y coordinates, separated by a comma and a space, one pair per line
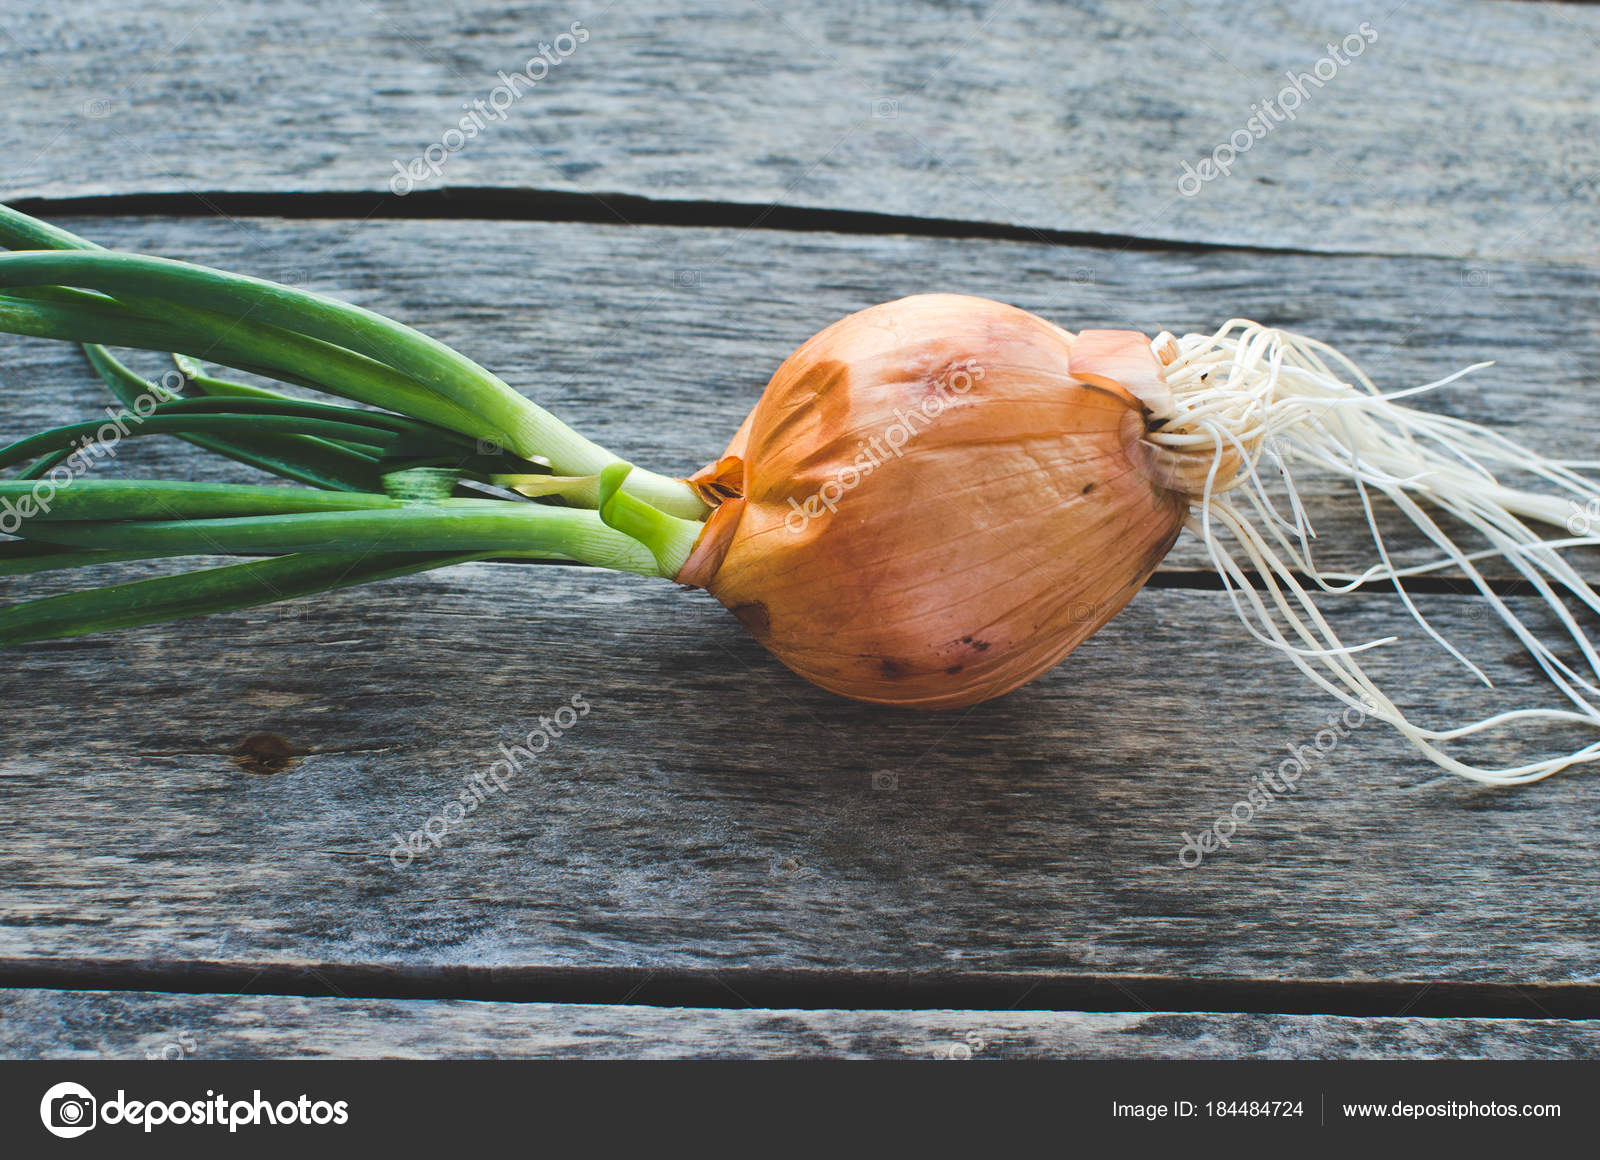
755, 618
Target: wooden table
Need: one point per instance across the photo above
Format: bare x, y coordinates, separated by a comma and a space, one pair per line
718, 859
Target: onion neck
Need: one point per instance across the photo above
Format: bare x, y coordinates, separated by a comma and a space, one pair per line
1194, 464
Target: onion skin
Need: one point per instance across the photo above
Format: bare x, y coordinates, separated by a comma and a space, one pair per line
1019, 515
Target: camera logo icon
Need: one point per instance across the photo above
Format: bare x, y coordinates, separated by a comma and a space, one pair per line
68, 1110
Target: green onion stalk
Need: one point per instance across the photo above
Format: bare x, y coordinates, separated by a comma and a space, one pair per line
429, 460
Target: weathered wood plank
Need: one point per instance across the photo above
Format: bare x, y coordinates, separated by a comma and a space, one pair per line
1041, 832
712, 811
657, 341
38, 1024
1071, 118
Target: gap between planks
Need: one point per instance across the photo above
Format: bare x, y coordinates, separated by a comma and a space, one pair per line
624, 209
822, 989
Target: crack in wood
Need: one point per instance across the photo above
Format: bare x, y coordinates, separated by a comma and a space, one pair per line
625, 209
823, 989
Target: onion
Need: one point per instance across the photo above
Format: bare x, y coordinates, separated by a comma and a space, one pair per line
1047, 476
933, 502
926, 508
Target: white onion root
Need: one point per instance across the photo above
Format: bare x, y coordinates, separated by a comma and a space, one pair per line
1251, 397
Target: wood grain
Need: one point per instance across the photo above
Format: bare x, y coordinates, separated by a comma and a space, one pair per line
1465, 130
656, 341
37, 1024
225, 795
713, 811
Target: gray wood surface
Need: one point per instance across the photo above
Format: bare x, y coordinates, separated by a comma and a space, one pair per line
144, 1025
1463, 129
656, 341
716, 811
220, 798
713, 811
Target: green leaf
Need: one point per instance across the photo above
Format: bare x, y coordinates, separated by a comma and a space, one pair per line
203, 592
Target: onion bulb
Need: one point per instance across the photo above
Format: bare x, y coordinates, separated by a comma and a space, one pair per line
935, 500
927, 508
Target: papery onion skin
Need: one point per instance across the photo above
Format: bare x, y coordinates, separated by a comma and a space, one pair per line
1016, 518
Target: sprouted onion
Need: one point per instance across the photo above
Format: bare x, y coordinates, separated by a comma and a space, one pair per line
973, 489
